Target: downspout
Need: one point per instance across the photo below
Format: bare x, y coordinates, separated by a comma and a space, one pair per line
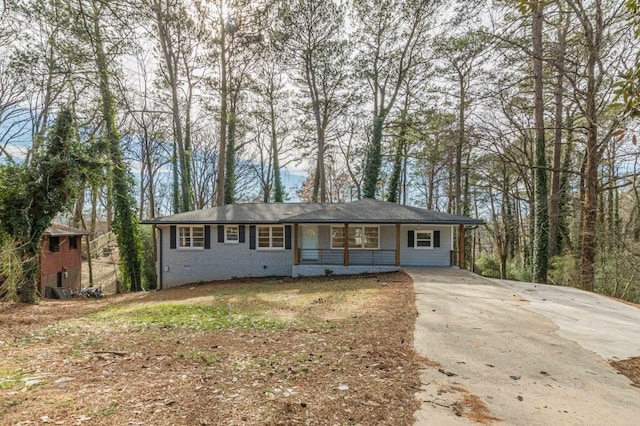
159, 256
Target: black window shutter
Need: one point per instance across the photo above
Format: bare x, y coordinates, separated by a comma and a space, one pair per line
436, 238
287, 237
252, 237
410, 239
172, 236
241, 234
207, 237
221, 233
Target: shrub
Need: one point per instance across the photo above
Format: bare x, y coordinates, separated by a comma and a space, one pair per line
11, 272
563, 270
488, 265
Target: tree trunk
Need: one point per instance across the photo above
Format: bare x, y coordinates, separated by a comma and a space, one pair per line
589, 216
593, 35
277, 179
77, 215
374, 158
555, 244
459, 145
405, 171
188, 184
394, 181
172, 73
175, 181
541, 226
230, 172
319, 183
88, 243
564, 208
222, 150
109, 201
125, 223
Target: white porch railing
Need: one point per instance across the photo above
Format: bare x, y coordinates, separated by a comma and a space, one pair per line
356, 257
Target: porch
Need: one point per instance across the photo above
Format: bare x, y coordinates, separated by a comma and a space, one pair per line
356, 257
354, 245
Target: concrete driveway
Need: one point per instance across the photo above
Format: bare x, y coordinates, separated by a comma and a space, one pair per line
533, 355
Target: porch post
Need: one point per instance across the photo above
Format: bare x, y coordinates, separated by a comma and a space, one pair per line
346, 244
296, 250
461, 259
397, 244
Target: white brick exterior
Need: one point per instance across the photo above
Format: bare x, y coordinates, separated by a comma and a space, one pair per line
223, 261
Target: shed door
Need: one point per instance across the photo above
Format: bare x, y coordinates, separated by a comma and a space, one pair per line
309, 242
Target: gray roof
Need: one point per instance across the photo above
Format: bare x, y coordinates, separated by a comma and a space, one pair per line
62, 230
239, 213
369, 210
361, 211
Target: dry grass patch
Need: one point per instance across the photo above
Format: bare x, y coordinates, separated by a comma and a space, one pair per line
630, 368
335, 350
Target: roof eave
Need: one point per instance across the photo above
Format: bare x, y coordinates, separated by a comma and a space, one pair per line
315, 221
209, 222
390, 221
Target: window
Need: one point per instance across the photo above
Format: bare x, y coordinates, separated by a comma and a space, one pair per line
54, 244
370, 237
73, 243
360, 237
191, 236
337, 237
424, 240
270, 237
232, 234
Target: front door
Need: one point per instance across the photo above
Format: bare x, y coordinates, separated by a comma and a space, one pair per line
309, 242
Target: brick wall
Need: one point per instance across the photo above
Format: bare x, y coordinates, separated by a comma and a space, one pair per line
65, 260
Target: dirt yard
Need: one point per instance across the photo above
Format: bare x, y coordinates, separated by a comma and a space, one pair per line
304, 351
335, 351
104, 271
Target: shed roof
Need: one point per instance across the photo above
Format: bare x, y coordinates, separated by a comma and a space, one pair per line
62, 230
361, 211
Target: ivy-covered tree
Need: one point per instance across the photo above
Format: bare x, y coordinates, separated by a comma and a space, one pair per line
125, 222
32, 195
541, 229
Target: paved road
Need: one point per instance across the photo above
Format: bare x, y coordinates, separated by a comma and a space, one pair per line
498, 341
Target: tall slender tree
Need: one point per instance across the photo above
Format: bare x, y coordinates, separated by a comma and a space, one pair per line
313, 34
541, 230
461, 57
555, 238
391, 38
596, 20
172, 25
125, 222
